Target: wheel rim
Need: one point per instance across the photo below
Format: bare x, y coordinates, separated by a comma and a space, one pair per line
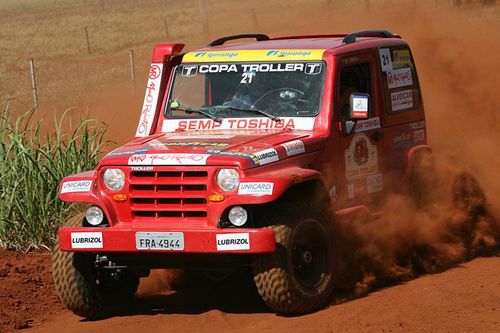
309, 254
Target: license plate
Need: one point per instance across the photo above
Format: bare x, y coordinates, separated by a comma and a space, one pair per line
167, 241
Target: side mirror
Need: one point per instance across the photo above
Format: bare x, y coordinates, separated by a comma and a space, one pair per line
359, 106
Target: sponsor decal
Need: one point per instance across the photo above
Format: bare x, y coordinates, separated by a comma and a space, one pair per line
357, 188
118, 152
295, 178
189, 70
403, 140
313, 69
385, 59
350, 191
199, 136
142, 168
159, 144
399, 78
299, 123
294, 147
227, 242
402, 100
86, 240
251, 157
367, 124
267, 156
76, 186
361, 157
374, 183
168, 159
253, 55
256, 188
401, 59
150, 101
419, 136
418, 125
359, 106
350, 60
309, 68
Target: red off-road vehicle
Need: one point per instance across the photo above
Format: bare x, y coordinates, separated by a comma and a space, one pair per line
245, 154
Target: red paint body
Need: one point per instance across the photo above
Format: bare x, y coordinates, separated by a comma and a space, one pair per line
174, 198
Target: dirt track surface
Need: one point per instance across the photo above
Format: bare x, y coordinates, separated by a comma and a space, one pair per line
27, 294
462, 299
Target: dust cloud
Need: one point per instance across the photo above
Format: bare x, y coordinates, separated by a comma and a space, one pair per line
457, 54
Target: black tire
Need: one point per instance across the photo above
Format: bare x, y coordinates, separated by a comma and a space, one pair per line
81, 289
298, 277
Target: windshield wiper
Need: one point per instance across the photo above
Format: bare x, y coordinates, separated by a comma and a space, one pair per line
201, 110
272, 116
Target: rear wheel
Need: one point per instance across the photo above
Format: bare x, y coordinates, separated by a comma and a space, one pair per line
86, 290
298, 276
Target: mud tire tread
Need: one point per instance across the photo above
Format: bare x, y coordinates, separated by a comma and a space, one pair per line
73, 289
75, 283
271, 275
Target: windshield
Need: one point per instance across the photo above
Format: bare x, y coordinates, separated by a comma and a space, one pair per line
231, 90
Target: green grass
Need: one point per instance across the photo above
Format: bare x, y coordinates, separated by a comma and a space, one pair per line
31, 167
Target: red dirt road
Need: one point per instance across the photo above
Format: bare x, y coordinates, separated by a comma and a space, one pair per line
462, 299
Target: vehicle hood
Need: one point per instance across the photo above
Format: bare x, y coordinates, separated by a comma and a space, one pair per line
245, 149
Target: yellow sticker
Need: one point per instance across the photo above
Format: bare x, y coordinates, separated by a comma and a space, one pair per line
401, 59
253, 55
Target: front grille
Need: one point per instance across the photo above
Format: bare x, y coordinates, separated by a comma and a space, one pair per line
168, 195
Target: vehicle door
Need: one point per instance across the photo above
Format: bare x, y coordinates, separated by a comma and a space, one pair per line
362, 146
402, 115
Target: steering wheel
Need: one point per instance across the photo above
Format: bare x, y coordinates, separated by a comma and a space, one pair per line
271, 95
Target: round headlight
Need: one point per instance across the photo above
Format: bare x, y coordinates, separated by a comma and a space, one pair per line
94, 215
114, 179
228, 179
238, 216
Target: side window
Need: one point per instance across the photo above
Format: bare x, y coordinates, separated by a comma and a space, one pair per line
401, 88
353, 79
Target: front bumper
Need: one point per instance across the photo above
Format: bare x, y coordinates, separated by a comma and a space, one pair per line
201, 240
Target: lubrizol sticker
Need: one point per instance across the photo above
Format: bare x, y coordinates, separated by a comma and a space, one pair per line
76, 186
86, 240
294, 147
267, 156
228, 242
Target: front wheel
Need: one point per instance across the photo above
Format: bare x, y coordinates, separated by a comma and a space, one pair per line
298, 276
85, 290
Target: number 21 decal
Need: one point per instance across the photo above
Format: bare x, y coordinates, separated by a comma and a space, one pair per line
247, 77
385, 60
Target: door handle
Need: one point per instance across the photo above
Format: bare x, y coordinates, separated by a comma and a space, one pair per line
377, 136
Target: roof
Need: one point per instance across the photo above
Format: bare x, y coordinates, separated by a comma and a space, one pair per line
333, 43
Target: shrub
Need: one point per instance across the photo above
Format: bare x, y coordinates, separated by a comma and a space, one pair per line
32, 165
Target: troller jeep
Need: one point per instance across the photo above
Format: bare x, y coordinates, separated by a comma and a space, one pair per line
245, 155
